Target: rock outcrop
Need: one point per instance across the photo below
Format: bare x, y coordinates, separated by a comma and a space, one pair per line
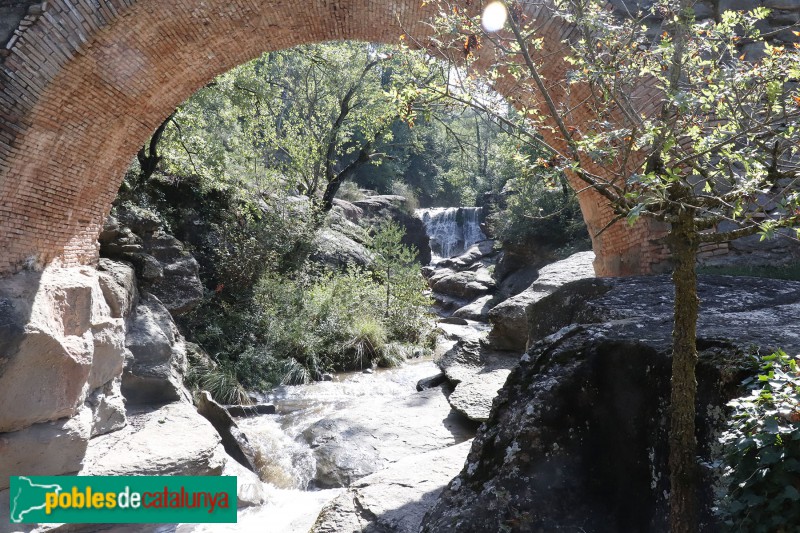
577, 438
62, 346
163, 266
157, 362
337, 250
509, 318
75, 344
344, 239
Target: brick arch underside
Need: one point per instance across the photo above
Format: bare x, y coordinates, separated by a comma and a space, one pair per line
89, 80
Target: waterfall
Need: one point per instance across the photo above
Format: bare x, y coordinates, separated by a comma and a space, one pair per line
451, 230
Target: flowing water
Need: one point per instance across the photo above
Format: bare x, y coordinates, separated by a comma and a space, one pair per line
380, 416
451, 229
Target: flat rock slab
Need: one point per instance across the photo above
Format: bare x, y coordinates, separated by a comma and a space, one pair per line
458, 332
394, 499
369, 436
170, 440
474, 397
739, 310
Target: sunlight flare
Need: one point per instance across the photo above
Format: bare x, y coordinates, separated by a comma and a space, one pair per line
494, 17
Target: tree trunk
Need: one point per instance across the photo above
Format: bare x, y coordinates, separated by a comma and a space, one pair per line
148, 154
683, 243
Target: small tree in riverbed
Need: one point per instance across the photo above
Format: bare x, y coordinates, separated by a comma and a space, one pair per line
396, 268
718, 160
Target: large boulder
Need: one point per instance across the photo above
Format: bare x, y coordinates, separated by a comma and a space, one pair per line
157, 362
509, 319
465, 285
118, 282
57, 334
46, 449
578, 435
476, 310
249, 489
337, 250
394, 499
482, 252
171, 440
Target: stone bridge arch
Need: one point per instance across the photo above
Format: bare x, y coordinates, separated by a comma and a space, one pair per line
83, 83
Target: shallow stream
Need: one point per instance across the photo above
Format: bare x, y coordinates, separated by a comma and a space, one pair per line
334, 432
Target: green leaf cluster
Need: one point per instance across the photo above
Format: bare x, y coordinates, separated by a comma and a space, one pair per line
762, 450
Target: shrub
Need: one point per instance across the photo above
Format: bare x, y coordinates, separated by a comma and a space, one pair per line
350, 192
405, 304
221, 383
366, 341
403, 189
762, 450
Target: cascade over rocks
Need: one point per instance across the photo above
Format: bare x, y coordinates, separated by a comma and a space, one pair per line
577, 437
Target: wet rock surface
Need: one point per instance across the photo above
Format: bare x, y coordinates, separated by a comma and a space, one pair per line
394, 499
357, 442
577, 437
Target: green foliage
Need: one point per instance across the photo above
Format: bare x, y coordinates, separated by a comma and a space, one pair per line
537, 208
762, 450
294, 119
296, 326
221, 382
405, 304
